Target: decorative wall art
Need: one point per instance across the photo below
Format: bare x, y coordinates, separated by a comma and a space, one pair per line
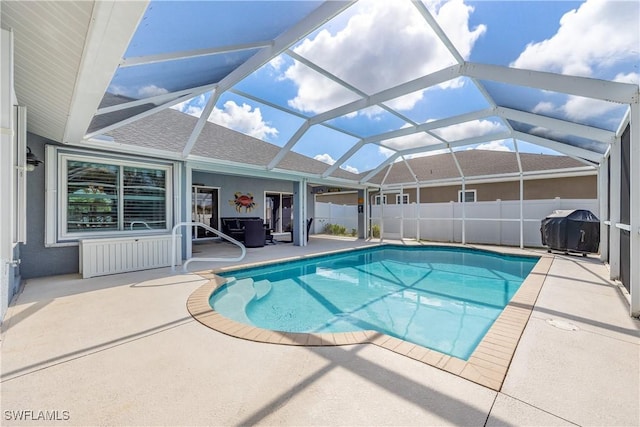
243, 201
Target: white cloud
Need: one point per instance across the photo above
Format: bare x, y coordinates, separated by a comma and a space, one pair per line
277, 62
192, 106
428, 153
151, 90
385, 151
419, 139
545, 107
579, 108
326, 158
350, 169
383, 44
598, 35
633, 78
468, 130
494, 146
243, 119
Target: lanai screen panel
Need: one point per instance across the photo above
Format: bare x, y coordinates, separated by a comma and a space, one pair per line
565, 138
177, 47
587, 111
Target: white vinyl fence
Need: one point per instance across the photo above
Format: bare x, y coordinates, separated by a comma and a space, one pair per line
328, 213
495, 222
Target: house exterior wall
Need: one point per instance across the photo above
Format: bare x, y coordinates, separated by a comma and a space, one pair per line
36, 260
338, 198
578, 187
230, 184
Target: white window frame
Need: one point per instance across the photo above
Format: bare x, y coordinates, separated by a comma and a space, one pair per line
402, 199
57, 158
378, 198
474, 192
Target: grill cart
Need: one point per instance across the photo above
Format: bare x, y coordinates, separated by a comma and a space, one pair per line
571, 231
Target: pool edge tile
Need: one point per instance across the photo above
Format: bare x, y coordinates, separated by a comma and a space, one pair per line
487, 365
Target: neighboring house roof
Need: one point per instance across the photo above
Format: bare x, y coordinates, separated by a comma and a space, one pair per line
169, 129
473, 163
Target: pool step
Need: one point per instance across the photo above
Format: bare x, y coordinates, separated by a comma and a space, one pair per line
262, 287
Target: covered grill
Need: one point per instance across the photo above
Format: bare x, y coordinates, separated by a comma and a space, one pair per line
571, 231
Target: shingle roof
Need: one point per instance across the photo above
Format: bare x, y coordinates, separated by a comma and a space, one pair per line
169, 130
473, 163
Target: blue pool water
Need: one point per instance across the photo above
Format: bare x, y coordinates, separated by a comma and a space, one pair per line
442, 298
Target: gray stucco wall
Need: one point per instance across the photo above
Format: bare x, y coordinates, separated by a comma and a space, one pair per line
36, 260
229, 185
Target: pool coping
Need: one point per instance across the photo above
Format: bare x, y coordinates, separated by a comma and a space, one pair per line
487, 365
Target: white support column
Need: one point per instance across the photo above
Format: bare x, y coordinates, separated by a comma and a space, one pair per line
464, 214
186, 208
401, 213
603, 197
7, 170
634, 161
614, 212
381, 214
418, 211
299, 236
521, 211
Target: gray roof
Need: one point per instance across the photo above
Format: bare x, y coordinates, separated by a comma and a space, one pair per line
169, 129
473, 163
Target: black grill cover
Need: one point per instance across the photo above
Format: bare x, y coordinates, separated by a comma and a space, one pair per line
571, 230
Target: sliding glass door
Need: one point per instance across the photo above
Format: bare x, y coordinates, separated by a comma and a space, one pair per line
278, 211
205, 208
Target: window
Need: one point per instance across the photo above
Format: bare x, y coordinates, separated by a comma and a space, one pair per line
109, 196
469, 196
402, 199
380, 200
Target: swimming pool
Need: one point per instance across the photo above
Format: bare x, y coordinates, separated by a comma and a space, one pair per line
438, 297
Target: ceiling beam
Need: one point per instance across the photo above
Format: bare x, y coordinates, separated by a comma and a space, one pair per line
157, 100
318, 17
420, 83
438, 30
202, 120
324, 13
139, 116
436, 124
622, 93
381, 166
112, 26
289, 145
187, 54
346, 156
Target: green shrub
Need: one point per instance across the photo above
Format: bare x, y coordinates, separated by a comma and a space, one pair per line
335, 229
375, 230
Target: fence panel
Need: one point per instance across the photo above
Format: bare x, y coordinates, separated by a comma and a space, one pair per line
496, 222
329, 213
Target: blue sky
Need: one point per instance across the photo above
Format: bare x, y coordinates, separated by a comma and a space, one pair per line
375, 45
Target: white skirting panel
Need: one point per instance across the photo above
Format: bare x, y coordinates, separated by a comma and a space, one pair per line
99, 257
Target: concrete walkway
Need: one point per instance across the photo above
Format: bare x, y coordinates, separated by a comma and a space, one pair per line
123, 350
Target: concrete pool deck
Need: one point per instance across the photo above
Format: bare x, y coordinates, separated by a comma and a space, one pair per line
124, 350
